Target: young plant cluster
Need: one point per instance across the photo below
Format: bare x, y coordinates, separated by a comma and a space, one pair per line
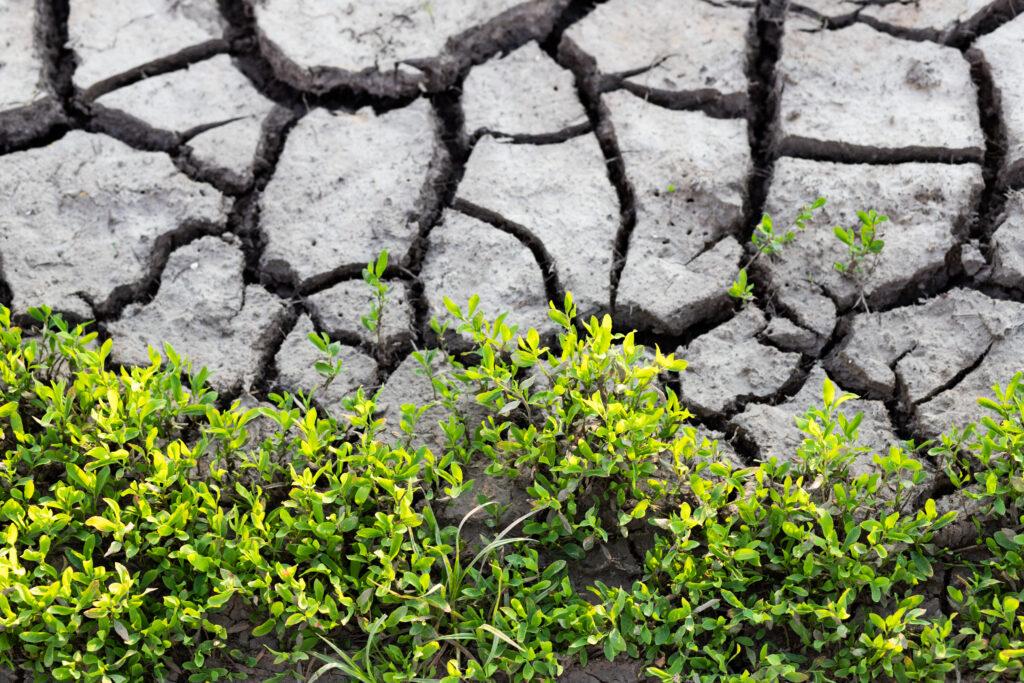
139, 510
863, 246
769, 242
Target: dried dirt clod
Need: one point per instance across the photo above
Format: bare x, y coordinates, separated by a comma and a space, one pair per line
1004, 53
688, 45
21, 60
668, 297
340, 310
392, 47
611, 563
295, 371
861, 86
466, 256
963, 531
562, 195
688, 177
809, 307
522, 93
928, 207
773, 429
788, 336
82, 217
206, 312
971, 258
356, 36
209, 93
941, 16
688, 172
1008, 246
116, 35
346, 187
729, 364
958, 405
506, 500
915, 351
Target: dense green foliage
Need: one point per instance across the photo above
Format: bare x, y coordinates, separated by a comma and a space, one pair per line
137, 509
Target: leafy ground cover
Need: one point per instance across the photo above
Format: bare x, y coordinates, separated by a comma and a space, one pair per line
137, 509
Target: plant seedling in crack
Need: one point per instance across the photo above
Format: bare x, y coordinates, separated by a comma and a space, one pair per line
373, 276
863, 247
330, 365
740, 289
769, 242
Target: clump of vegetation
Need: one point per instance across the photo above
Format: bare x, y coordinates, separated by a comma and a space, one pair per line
138, 509
768, 241
590, 421
863, 246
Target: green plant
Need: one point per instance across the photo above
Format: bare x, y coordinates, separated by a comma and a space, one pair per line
761, 570
590, 423
330, 365
373, 276
137, 507
108, 507
769, 242
91, 488
740, 288
863, 247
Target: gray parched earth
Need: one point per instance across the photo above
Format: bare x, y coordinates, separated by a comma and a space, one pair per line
216, 174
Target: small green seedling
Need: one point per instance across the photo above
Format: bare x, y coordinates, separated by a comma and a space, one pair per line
740, 289
373, 276
863, 247
330, 365
770, 242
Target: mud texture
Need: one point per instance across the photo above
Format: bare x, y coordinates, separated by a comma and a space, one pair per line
216, 175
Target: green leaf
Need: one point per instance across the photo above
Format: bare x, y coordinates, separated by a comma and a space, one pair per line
362, 493
828, 392
219, 599
264, 628
453, 308
748, 555
102, 524
614, 644
731, 598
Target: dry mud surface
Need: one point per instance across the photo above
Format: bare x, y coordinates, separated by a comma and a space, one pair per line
215, 174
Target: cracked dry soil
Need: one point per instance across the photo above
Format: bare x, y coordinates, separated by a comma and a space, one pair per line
216, 174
